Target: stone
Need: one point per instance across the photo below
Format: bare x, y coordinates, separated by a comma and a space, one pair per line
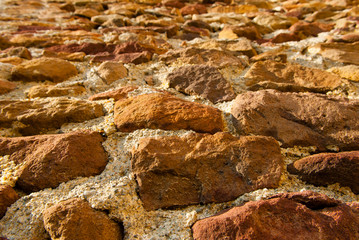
163, 111
286, 217
202, 80
233, 32
350, 37
193, 9
239, 9
341, 52
350, 72
329, 168
20, 52
286, 37
211, 57
6, 86
69, 7
75, 219
202, 168
274, 55
117, 94
44, 69
7, 197
310, 29
299, 119
77, 56
37, 116
87, 12
173, 4
274, 22
290, 77
55, 91
111, 71
49, 160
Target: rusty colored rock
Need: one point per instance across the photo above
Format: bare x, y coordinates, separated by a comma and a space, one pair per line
341, 52
310, 29
44, 69
117, 94
6, 86
286, 37
203, 168
202, 80
55, 91
42, 115
163, 111
7, 197
75, 219
20, 52
303, 119
193, 9
285, 216
290, 77
250, 32
329, 168
49, 160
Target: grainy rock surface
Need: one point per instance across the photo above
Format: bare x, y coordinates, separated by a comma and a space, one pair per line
329, 168
173, 171
293, 216
7, 197
303, 119
104, 67
75, 219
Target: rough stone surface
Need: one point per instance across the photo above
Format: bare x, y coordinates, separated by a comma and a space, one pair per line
329, 168
290, 77
342, 52
117, 94
310, 29
199, 168
44, 69
6, 86
283, 217
55, 91
75, 219
350, 72
304, 119
49, 160
111, 71
163, 111
201, 80
38, 115
7, 197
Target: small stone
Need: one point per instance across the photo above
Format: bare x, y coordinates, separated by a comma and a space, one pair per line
230, 31
75, 219
202, 80
163, 111
350, 37
329, 168
6, 86
44, 69
286, 37
299, 119
290, 77
7, 197
87, 12
77, 56
69, 7
290, 216
111, 71
55, 91
193, 9
342, 52
274, 22
350, 72
42, 115
49, 160
310, 29
239, 9
117, 94
20, 52
203, 168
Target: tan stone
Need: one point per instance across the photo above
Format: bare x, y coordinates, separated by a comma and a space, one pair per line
77, 56
342, 52
117, 94
163, 111
202, 168
239, 9
55, 91
274, 22
42, 69
75, 219
7, 197
350, 72
87, 12
6, 86
111, 71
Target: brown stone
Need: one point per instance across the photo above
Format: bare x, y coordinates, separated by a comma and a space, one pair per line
173, 3
86, 12
304, 119
290, 77
342, 52
274, 22
117, 94
43, 69
20, 52
274, 55
250, 32
6, 86
49, 160
163, 111
310, 29
202, 80
193, 9
283, 217
203, 168
286, 37
75, 219
111, 71
350, 72
55, 91
69, 7
329, 168
212, 57
239, 9
350, 37
7, 197
77, 56
41, 115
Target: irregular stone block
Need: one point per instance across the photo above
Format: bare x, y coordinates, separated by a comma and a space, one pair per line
7, 197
